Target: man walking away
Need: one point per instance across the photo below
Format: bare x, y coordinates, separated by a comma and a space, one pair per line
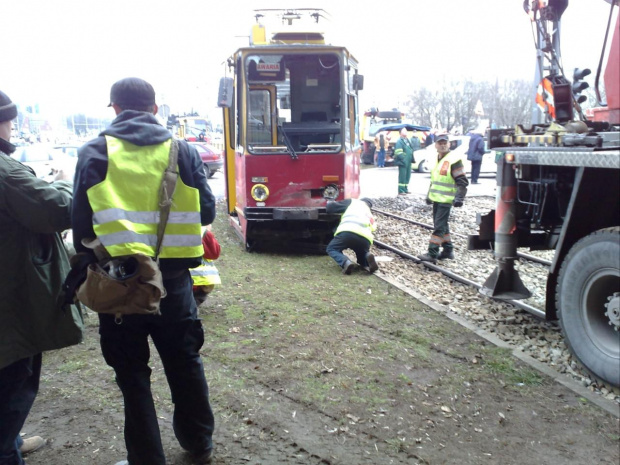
475, 154
117, 184
448, 187
354, 232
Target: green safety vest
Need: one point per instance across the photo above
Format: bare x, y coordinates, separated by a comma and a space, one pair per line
205, 274
443, 187
357, 219
126, 204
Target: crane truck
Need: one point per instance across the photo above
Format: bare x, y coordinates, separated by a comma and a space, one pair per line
558, 188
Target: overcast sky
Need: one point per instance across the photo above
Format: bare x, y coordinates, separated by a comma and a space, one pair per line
65, 54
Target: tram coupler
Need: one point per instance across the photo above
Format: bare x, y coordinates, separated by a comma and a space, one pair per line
504, 283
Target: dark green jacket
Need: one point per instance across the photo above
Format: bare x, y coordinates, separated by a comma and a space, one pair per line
403, 152
33, 263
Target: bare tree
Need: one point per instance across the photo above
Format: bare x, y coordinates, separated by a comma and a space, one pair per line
421, 107
510, 103
452, 106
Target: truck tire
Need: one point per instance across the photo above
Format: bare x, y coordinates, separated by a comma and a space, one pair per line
587, 298
423, 167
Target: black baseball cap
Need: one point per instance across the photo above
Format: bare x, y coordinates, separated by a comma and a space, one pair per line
442, 137
132, 93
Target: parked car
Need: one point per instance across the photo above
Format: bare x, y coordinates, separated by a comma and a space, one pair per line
427, 157
70, 150
212, 158
44, 160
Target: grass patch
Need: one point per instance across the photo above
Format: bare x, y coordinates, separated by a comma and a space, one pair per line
500, 362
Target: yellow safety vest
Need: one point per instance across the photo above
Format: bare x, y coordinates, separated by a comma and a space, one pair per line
126, 204
357, 219
443, 187
205, 274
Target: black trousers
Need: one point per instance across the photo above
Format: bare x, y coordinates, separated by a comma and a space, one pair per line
475, 170
178, 336
19, 384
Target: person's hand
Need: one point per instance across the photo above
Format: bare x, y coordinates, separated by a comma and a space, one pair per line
429, 201
62, 175
457, 202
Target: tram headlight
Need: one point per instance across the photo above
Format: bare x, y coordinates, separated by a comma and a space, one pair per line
331, 192
260, 192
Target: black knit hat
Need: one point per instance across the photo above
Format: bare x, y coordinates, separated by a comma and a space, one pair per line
132, 93
8, 110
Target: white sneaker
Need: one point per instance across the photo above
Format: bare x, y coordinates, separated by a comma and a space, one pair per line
32, 444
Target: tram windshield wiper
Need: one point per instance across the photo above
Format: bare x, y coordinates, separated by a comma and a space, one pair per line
287, 142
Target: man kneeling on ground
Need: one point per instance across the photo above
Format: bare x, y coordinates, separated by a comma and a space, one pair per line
354, 232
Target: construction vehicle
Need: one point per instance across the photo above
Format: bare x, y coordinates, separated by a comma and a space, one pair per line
558, 188
390, 122
372, 119
192, 128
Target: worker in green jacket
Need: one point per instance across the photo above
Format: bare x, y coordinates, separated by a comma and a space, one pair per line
403, 158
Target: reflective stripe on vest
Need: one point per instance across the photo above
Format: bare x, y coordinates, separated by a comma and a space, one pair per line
126, 204
443, 187
358, 219
205, 274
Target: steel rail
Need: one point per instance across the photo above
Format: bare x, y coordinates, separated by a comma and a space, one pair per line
528, 308
528, 257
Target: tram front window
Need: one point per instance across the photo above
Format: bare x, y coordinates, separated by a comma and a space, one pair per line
298, 93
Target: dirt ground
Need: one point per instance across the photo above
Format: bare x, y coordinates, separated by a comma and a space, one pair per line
307, 366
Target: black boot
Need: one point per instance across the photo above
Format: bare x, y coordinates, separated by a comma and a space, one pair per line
348, 266
446, 255
372, 263
427, 258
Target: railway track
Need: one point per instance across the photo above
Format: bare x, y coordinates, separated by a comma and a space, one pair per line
446, 272
521, 255
403, 233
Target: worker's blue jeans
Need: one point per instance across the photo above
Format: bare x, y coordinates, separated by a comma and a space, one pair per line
178, 336
348, 240
19, 384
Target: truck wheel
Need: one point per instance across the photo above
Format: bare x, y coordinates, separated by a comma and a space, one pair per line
588, 303
422, 167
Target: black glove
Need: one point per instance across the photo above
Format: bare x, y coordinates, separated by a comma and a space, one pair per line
429, 201
457, 202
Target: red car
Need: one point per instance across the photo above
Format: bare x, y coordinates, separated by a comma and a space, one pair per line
211, 158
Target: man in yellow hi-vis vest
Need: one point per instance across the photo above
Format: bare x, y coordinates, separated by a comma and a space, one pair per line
448, 188
354, 232
116, 199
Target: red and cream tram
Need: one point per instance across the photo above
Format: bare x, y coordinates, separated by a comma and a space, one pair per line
291, 134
